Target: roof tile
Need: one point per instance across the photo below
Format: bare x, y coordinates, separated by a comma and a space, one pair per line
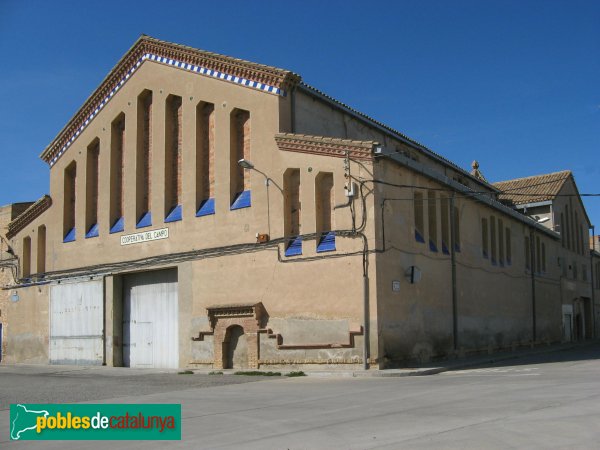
532, 189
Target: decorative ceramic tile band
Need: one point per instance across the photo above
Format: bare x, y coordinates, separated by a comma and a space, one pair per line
215, 73
175, 63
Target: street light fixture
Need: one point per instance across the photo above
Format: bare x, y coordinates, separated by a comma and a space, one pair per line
244, 163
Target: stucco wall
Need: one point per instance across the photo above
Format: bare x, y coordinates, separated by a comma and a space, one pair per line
494, 302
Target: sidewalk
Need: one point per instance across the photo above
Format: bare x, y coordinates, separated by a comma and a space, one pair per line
473, 361
421, 370
436, 366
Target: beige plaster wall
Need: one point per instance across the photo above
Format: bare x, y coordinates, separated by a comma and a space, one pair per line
494, 303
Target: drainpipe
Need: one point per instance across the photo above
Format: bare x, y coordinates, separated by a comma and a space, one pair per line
366, 354
533, 259
592, 281
453, 264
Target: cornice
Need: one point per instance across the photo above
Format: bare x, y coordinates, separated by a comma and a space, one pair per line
325, 146
28, 216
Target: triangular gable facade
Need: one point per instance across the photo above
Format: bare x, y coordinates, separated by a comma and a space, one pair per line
267, 79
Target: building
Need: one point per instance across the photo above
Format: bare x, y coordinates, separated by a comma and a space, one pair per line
206, 211
553, 200
8, 264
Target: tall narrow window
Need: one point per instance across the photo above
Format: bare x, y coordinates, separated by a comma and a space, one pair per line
419, 220
569, 218
543, 257
432, 220
445, 216
117, 173
527, 245
26, 262
456, 229
173, 153
493, 239
578, 248
501, 242
582, 235
538, 254
70, 183
292, 214
91, 190
563, 231
143, 165
484, 237
205, 159
240, 149
41, 249
508, 247
324, 202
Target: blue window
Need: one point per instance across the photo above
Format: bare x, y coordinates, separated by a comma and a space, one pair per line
70, 236
241, 200
92, 232
326, 242
175, 215
432, 246
118, 226
418, 236
294, 247
145, 220
207, 207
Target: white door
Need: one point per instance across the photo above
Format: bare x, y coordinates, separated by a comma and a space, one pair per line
567, 328
77, 323
150, 320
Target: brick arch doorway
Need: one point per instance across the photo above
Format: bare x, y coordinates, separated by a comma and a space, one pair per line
235, 348
226, 322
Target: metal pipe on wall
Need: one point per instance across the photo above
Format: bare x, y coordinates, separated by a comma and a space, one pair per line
592, 281
366, 353
532, 260
453, 265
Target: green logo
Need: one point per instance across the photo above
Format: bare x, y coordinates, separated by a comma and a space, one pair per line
95, 422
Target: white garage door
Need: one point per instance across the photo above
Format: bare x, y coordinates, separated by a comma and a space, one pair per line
150, 320
76, 323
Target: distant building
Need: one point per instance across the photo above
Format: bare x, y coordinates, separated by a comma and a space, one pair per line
9, 265
595, 242
553, 200
206, 211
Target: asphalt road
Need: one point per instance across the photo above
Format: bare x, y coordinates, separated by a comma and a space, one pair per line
546, 401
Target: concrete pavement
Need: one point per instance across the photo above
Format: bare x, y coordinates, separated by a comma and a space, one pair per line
548, 400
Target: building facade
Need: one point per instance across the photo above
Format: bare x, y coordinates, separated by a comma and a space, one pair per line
206, 211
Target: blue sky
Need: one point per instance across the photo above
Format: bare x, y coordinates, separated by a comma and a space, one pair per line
513, 84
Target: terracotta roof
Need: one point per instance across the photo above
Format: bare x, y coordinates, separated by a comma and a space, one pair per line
147, 48
533, 189
28, 216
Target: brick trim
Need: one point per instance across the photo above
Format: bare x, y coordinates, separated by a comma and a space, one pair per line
28, 216
325, 146
222, 317
281, 346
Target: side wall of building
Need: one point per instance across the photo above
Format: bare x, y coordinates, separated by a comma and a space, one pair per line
494, 295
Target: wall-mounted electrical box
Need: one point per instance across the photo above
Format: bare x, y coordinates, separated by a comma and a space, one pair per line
351, 189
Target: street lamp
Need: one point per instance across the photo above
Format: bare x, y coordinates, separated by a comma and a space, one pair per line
245, 164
